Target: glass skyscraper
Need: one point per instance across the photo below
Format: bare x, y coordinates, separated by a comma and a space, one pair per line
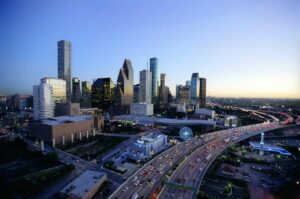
155, 77
202, 92
145, 86
195, 86
64, 63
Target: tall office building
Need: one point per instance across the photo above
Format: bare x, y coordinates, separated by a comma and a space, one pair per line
124, 88
178, 87
103, 93
136, 89
184, 94
145, 89
86, 91
195, 86
58, 87
202, 92
155, 80
64, 63
86, 88
76, 91
43, 103
163, 91
188, 83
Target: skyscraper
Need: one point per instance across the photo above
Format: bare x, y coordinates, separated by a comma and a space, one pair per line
163, 91
178, 87
64, 63
155, 80
195, 87
43, 103
145, 89
76, 91
124, 88
86, 89
102, 93
58, 88
136, 89
202, 92
184, 94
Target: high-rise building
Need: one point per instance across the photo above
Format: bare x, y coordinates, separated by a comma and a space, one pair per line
188, 83
155, 80
195, 86
163, 91
43, 103
178, 87
76, 91
58, 87
86, 88
145, 89
103, 90
184, 94
202, 92
136, 89
64, 63
124, 88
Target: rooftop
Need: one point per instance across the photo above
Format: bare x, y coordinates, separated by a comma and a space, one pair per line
81, 185
151, 137
65, 119
270, 147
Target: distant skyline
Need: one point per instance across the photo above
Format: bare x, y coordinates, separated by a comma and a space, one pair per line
243, 48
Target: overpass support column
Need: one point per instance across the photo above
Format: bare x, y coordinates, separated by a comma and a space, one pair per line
72, 138
42, 145
261, 151
53, 142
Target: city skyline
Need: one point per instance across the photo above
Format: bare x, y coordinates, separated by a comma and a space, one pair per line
243, 49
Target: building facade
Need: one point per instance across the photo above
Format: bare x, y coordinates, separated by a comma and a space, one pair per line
145, 89
202, 92
163, 91
184, 94
136, 89
64, 62
124, 88
66, 129
58, 87
103, 90
142, 109
76, 91
195, 86
86, 88
43, 102
155, 80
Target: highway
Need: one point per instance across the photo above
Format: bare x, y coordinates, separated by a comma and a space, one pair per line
192, 170
149, 176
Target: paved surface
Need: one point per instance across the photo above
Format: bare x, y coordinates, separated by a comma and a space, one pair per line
192, 171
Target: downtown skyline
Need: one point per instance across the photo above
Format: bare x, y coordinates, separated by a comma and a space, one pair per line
243, 49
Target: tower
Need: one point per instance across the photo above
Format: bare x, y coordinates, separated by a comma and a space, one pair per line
64, 63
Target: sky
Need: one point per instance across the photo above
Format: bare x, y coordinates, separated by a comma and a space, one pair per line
248, 48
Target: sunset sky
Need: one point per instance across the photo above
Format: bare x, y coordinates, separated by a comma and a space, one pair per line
244, 48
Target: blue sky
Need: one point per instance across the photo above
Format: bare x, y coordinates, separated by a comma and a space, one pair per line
243, 48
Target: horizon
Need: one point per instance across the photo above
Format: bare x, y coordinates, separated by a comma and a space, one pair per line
244, 49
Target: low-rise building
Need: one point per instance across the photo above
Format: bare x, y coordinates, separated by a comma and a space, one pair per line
148, 145
85, 186
63, 129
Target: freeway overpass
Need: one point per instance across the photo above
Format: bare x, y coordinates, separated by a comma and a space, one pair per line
195, 153
195, 166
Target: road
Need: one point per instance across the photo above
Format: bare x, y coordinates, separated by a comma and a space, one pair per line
192, 170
